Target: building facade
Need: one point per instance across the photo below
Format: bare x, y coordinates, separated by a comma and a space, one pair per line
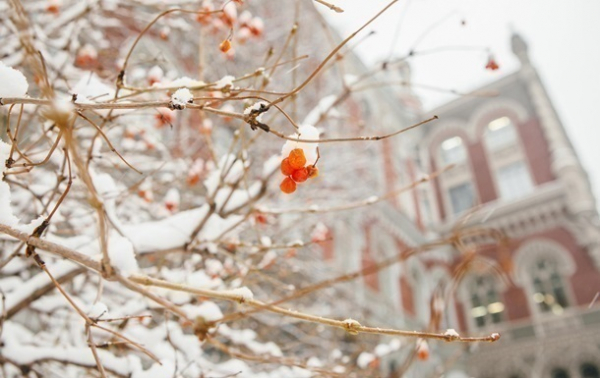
516, 174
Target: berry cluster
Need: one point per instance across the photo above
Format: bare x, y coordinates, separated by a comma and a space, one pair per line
293, 167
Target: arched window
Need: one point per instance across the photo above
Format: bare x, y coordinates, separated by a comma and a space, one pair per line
548, 287
500, 133
589, 370
559, 373
453, 151
543, 269
486, 307
507, 159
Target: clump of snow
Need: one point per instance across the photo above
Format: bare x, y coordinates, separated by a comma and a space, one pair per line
98, 310
7, 217
103, 183
213, 267
181, 98
166, 368
4, 154
382, 350
325, 106
305, 132
247, 338
187, 82
395, 344
364, 359
224, 82
14, 83
319, 233
335, 354
257, 106
244, 294
172, 199
175, 231
122, 256
451, 333
207, 310
268, 258
231, 168
271, 165
372, 200
90, 89
314, 362
155, 75
266, 241
339, 369
350, 79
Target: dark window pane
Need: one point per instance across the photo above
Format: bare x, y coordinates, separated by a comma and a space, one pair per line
589, 371
560, 373
461, 197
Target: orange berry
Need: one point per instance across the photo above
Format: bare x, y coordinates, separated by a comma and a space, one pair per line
297, 158
422, 350
300, 175
53, 8
491, 64
288, 186
286, 168
225, 45
312, 171
260, 218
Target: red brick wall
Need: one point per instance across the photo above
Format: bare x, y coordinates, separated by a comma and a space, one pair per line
406, 291
482, 173
368, 260
536, 150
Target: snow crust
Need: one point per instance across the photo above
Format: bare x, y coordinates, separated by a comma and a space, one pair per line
307, 132
181, 98
14, 83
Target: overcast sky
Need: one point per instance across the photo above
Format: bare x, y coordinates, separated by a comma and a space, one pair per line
564, 45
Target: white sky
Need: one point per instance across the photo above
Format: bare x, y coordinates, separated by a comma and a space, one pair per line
564, 45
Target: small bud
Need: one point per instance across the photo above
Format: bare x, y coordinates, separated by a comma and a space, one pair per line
225, 46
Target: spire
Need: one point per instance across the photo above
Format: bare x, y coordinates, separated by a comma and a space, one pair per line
520, 48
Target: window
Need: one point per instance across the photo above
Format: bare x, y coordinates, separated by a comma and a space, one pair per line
589, 371
461, 197
500, 133
514, 180
486, 307
453, 151
548, 288
559, 373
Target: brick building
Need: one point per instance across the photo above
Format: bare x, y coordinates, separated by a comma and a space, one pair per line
516, 172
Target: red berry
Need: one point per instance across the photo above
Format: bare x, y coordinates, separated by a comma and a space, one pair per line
300, 175
297, 158
491, 64
286, 168
288, 186
422, 350
312, 171
260, 218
